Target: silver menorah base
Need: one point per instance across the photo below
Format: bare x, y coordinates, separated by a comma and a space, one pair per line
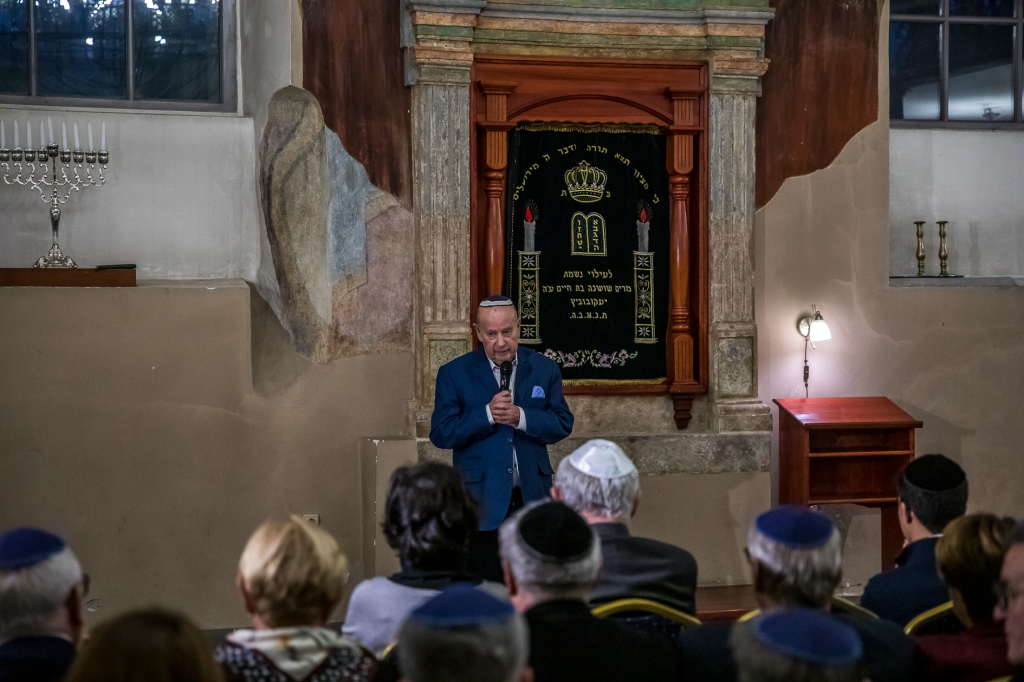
62, 162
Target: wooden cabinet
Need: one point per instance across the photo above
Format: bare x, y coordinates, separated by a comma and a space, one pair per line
846, 451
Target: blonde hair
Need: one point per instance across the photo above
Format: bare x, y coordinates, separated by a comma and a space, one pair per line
292, 571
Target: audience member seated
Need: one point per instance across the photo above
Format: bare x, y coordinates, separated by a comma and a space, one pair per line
969, 555
551, 558
41, 590
148, 645
603, 486
796, 645
291, 576
932, 492
428, 518
796, 561
1010, 595
464, 635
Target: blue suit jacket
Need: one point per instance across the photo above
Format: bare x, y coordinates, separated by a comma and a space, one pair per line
482, 451
911, 588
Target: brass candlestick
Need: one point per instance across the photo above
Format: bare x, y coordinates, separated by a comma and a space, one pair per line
920, 247
943, 252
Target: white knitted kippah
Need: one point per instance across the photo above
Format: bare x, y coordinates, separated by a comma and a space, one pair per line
602, 459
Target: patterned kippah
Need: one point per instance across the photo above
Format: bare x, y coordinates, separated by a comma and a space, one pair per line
602, 459
462, 605
809, 635
553, 533
796, 527
25, 547
494, 301
935, 474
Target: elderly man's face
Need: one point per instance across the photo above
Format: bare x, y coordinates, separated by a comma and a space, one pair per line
498, 331
1011, 603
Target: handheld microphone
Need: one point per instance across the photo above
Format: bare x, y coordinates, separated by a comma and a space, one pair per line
506, 374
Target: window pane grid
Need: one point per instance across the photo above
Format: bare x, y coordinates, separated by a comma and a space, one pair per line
980, 63
93, 53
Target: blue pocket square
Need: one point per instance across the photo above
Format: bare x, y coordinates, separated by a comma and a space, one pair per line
538, 392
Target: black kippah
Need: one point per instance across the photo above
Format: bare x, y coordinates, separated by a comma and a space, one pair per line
554, 532
934, 474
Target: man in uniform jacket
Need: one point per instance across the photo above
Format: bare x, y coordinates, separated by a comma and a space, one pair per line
499, 437
41, 589
796, 560
932, 492
550, 558
602, 485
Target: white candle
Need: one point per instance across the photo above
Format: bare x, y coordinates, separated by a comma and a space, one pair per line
103, 136
3, 136
77, 146
42, 135
63, 135
28, 126
90, 135
49, 122
16, 145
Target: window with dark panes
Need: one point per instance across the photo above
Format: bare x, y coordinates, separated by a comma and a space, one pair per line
176, 54
956, 62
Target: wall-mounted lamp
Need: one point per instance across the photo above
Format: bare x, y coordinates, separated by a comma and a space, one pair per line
813, 328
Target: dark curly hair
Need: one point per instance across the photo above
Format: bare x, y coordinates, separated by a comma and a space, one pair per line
429, 518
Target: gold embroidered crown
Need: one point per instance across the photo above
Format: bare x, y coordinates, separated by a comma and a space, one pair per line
586, 183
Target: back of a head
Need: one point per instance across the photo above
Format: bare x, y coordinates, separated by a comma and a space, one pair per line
148, 645
796, 645
799, 556
429, 517
598, 478
551, 550
463, 635
934, 488
37, 574
969, 556
293, 571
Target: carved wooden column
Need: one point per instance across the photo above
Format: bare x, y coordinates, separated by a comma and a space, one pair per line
496, 159
679, 162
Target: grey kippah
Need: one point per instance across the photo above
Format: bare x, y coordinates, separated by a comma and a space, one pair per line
495, 301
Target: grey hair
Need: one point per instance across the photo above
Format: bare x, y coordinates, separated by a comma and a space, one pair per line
612, 497
757, 663
804, 577
31, 597
489, 652
547, 577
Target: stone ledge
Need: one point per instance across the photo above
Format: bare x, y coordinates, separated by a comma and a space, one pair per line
655, 455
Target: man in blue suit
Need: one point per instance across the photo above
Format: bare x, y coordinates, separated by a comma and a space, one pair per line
499, 437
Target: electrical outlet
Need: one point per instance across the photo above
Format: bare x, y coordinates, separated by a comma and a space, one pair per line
311, 518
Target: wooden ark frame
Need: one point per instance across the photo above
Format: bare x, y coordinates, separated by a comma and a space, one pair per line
506, 91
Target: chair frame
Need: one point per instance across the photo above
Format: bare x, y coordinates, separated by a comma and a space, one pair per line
926, 617
648, 605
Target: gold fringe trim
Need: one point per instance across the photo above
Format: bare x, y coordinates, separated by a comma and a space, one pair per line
645, 128
610, 382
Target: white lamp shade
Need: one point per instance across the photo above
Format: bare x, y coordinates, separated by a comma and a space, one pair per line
820, 330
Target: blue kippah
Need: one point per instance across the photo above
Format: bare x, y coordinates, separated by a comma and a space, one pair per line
809, 635
460, 606
796, 527
24, 547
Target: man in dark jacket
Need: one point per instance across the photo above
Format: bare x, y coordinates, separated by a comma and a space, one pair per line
41, 589
796, 560
932, 492
602, 485
551, 558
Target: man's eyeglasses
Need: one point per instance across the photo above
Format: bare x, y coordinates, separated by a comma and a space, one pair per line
1007, 594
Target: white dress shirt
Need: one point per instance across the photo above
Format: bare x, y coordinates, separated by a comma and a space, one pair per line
522, 413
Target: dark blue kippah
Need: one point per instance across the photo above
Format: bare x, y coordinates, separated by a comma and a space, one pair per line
553, 532
461, 606
796, 527
24, 547
934, 474
809, 635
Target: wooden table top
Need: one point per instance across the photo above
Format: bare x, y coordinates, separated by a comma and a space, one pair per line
848, 412
724, 602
